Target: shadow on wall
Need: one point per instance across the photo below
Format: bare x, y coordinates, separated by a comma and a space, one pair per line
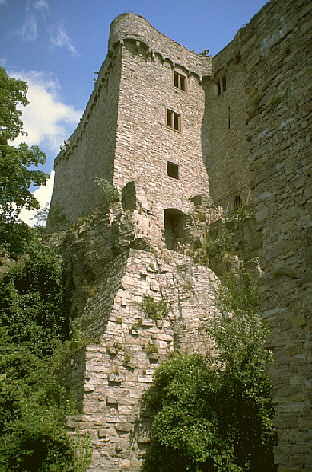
225, 149
205, 133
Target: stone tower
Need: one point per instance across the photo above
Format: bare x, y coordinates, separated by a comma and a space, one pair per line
160, 120
141, 132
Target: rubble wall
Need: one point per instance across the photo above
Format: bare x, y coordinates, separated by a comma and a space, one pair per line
109, 377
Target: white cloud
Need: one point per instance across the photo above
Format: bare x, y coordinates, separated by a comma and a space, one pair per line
2, 2
41, 5
47, 121
39, 9
3, 60
43, 194
29, 29
59, 37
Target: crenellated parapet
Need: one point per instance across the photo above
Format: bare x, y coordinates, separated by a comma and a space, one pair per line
132, 27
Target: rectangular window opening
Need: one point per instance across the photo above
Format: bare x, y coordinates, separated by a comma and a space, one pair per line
179, 81
223, 83
170, 118
176, 79
173, 170
219, 87
229, 117
176, 122
173, 120
183, 83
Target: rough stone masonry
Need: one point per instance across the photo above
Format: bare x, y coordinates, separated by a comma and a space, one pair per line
186, 138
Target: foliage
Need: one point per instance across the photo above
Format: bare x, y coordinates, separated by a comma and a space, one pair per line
41, 216
109, 193
15, 175
34, 332
239, 330
56, 217
156, 310
33, 408
213, 247
34, 300
137, 325
214, 414
15, 237
184, 402
241, 213
151, 348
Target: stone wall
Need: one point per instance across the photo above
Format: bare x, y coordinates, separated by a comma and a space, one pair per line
89, 153
109, 377
144, 142
276, 51
123, 135
266, 151
226, 150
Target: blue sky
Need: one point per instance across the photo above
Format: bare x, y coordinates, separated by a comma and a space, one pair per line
57, 45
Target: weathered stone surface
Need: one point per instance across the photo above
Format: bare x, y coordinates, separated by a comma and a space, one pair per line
280, 170
243, 133
109, 377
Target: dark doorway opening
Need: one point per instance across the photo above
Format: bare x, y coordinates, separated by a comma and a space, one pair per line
128, 197
174, 226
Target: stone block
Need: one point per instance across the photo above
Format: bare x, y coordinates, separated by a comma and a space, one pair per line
124, 427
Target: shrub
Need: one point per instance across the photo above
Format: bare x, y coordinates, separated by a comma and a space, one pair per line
109, 194
214, 414
156, 310
213, 247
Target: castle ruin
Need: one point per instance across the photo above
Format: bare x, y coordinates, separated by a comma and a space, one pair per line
185, 139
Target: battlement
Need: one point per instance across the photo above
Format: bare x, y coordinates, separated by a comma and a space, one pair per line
130, 26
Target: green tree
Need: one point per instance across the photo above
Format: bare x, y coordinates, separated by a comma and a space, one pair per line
15, 175
34, 317
34, 345
35, 300
214, 413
